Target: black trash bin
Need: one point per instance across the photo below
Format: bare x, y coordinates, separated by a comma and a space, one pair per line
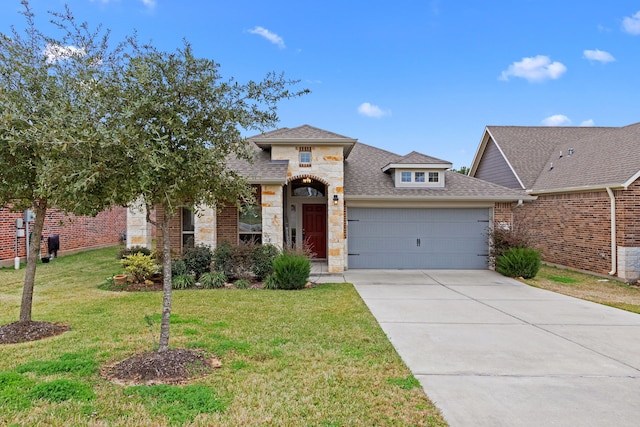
53, 244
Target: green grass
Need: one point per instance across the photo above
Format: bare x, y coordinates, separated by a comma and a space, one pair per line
311, 357
605, 291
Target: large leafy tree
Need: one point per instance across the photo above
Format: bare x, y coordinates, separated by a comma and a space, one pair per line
53, 132
181, 122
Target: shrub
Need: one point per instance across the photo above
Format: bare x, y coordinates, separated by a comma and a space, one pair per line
213, 280
519, 262
183, 281
125, 252
514, 235
139, 266
178, 268
198, 259
234, 261
291, 271
242, 284
270, 282
262, 257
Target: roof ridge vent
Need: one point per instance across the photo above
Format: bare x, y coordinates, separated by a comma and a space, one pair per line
570, 151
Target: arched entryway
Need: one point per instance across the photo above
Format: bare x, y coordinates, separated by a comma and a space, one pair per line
305, 214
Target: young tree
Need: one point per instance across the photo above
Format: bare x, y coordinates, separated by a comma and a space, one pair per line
181, 123
51, 123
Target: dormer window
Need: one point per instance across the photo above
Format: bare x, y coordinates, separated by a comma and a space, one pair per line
406, 176
420, 177
434, 177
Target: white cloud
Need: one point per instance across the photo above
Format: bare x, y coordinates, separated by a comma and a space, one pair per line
598, 55
631, 24
55, 53
536, 69
151, 4
272, 37
557, 120
588, 123
370, 110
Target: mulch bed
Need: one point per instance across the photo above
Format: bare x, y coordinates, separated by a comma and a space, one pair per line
18, 332
167, 367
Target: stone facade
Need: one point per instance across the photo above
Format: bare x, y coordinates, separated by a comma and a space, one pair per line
272, 215
327, 166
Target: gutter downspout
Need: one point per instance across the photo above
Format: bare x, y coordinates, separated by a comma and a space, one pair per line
614, 251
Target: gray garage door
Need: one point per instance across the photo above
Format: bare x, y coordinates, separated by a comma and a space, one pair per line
418, 238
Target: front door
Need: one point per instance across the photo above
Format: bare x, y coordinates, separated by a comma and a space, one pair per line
314, 228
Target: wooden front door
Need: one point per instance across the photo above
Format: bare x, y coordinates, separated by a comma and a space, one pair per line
314, 228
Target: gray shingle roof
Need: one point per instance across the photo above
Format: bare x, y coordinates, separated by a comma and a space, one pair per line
527, 148
363, 178
602, 156
298, 133
262, 169
609, 159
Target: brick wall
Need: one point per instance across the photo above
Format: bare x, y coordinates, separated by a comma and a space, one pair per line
76, 232
573, 230
227, 224
628, 216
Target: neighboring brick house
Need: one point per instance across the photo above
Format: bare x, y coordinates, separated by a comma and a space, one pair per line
587, 183
76, 232
357, 206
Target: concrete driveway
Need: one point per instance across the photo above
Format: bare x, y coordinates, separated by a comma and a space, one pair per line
490, 351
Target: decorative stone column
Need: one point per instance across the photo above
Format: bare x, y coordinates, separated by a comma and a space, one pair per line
272, 215
205, 226
336, 243
139, 232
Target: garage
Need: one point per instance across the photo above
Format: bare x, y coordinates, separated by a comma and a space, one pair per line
395, 238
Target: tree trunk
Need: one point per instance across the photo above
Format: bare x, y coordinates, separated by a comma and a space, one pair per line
163, 344
40, 210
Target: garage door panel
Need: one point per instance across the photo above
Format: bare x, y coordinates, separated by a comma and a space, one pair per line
418, 238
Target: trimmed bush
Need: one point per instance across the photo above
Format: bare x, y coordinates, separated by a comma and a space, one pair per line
125, 252
139, 266
198, 259
213, 280
519, 262
183, 281
235, 261
263, 256
291, 271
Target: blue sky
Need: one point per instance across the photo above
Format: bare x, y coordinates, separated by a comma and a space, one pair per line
405, 75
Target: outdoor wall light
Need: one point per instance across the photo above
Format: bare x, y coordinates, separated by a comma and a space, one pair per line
306, 180
335, 199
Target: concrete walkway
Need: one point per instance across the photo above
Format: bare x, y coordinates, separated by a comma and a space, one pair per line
490, 351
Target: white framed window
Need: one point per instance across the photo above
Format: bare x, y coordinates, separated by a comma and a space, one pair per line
419, 177
405, 176
434, 177
304, 156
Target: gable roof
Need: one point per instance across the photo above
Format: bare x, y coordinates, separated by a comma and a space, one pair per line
301, 135
261, 170
600, 155
417, 160
363, 180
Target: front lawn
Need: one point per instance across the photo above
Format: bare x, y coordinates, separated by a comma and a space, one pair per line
591, 288
314, 357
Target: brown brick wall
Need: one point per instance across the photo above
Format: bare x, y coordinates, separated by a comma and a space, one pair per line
227, 224
76, 232
628, 216
573, 230
503, 213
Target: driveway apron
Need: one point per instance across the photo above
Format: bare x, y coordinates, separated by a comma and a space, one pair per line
491, 351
